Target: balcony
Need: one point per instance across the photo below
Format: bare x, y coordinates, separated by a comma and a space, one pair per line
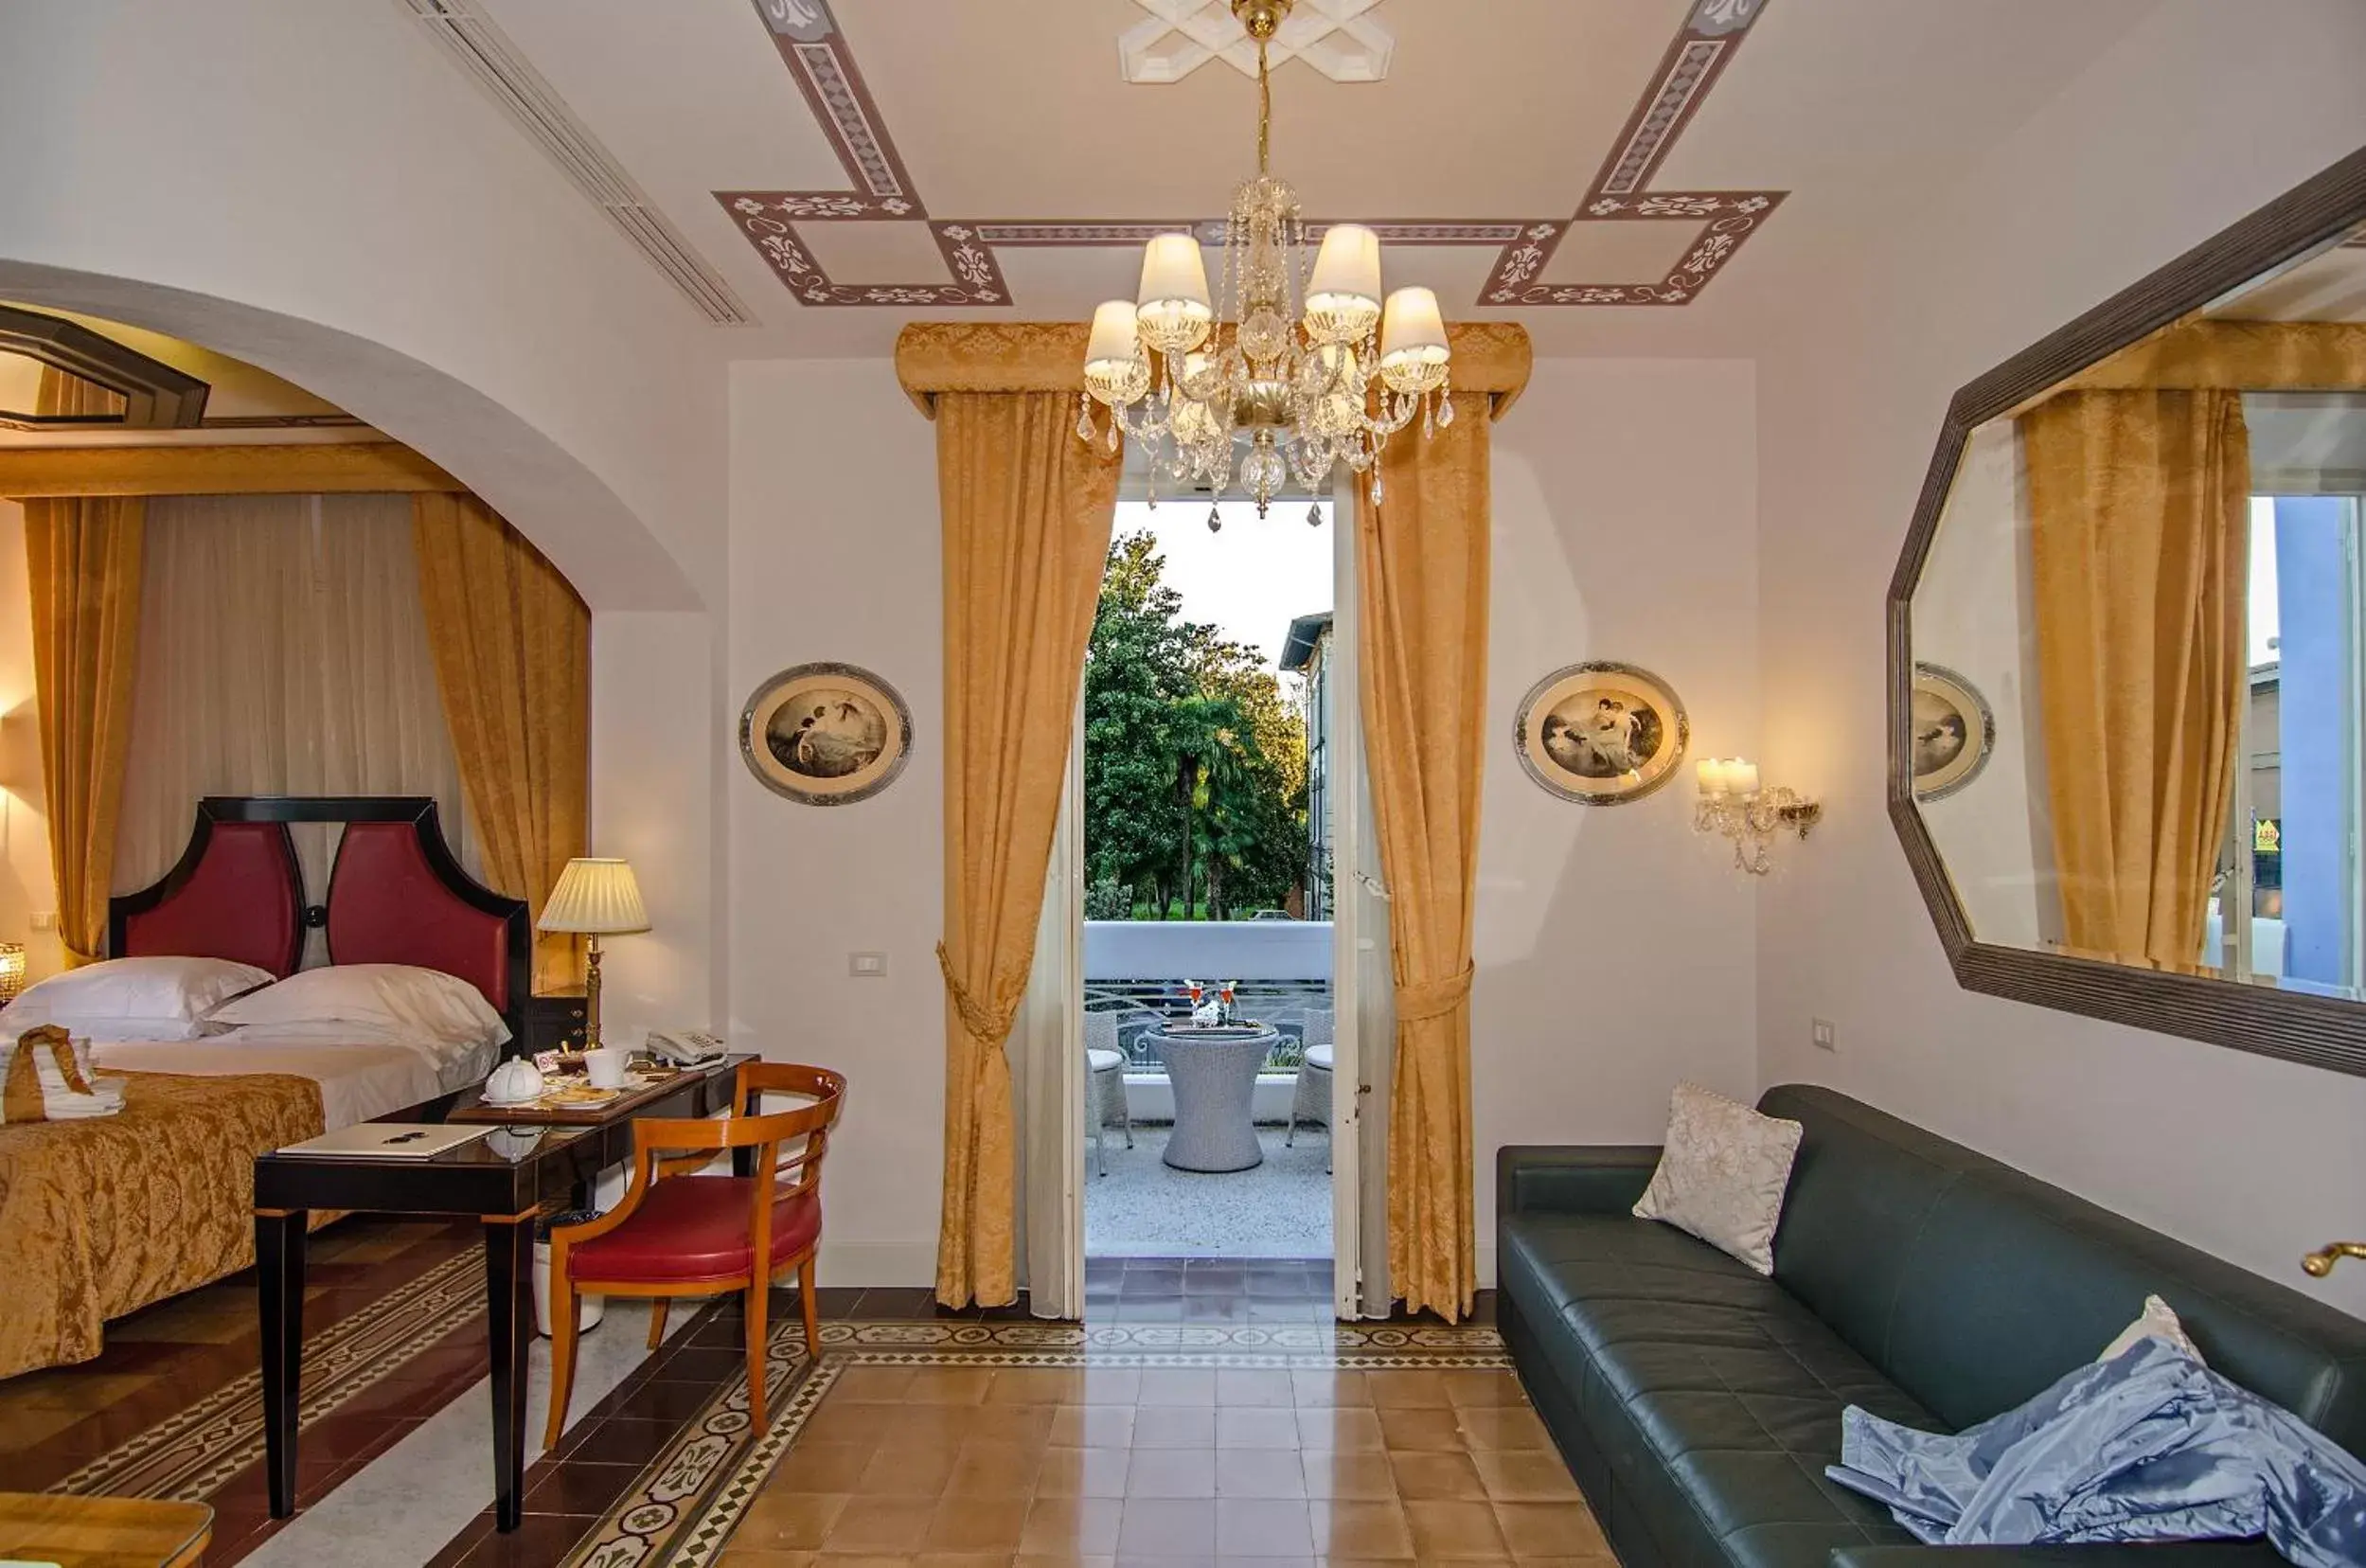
1134, 975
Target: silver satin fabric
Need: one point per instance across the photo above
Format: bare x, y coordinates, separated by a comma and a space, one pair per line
2148, 1446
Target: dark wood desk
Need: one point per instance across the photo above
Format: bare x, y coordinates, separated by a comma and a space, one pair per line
506, 1189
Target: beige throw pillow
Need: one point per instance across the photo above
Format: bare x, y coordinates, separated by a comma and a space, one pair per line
1722, 1174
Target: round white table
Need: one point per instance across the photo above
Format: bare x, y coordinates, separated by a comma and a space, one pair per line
1214, 1075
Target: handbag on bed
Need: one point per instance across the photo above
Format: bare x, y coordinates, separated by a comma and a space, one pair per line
45, 1081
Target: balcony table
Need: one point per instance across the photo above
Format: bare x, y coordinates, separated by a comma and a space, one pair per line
1214, 1073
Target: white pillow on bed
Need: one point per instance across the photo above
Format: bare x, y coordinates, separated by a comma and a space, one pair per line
143, 998
424, 1002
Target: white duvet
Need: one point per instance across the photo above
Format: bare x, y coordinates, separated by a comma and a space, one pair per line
363, 1070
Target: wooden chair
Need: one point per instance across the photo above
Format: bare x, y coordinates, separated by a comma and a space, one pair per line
678, 1234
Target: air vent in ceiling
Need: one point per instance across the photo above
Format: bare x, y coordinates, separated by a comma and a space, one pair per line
468, 37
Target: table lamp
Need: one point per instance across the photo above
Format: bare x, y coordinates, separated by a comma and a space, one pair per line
594, 898
11, 971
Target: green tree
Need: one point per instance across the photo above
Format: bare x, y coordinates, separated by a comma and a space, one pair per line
1135, 670
1195, 762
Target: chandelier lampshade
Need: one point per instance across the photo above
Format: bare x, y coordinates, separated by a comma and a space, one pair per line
1172, 307
1414, 354
1309, 364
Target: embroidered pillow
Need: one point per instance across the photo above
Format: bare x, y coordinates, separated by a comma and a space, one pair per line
1722, 1174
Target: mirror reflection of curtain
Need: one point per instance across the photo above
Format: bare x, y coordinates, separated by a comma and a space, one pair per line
282, 650
2139, 504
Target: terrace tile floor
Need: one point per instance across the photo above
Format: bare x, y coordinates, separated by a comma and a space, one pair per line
1146, 1208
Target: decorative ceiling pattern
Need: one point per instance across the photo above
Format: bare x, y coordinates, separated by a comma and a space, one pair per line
1333, 36
816, 53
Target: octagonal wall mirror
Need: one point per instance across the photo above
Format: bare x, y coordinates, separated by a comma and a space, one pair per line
2127, 651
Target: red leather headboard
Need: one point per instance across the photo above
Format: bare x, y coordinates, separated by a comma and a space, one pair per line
237, 894
396, 895
387, 905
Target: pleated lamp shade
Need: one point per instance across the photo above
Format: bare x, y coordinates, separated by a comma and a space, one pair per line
595, 896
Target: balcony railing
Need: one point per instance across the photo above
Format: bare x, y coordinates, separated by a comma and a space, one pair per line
1136, 969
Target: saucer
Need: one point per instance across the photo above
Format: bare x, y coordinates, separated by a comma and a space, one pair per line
511, 1104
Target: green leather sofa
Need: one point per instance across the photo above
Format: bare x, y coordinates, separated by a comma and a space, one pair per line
1697, 1403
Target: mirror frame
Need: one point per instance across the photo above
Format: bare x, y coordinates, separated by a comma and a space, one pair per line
2297, 1027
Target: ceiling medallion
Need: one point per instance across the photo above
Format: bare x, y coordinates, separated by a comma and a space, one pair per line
1335, 37
1183, 384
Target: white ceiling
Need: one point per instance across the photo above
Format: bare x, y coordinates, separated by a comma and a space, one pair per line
1491, 111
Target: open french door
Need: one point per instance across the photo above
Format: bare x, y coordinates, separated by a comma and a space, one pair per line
1364, 990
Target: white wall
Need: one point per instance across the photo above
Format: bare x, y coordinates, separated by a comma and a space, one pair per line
2197, 118
834, 556
318, 193
1615, 948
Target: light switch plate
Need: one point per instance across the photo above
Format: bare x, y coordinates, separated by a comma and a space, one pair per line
44, 920
867, 965
1820, 1030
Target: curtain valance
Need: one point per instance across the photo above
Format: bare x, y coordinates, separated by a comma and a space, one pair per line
2233, 356
934, 357
280, 468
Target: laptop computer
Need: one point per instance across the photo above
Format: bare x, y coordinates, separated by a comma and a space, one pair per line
388, 1140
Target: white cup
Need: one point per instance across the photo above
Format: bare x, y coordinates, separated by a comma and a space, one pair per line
604, 1067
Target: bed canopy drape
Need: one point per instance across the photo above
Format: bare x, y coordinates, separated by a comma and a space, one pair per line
440, 653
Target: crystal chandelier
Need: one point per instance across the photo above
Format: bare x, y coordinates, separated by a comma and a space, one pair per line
1181, 384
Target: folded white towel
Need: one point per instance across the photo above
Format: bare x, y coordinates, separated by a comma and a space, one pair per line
48, 1078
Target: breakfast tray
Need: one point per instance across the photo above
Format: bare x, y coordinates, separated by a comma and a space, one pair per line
642, 1085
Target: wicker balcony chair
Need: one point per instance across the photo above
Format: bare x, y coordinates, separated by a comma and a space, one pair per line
1106, 1062
1310, 1101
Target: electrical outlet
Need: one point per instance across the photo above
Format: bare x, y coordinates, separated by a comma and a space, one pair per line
1820, 1030
867, 965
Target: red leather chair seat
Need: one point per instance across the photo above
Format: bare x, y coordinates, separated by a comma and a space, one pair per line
692, 1227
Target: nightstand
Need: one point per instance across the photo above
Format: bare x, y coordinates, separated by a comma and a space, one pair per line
554, 1023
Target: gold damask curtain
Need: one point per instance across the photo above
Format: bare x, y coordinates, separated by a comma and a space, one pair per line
513, 657
1421, 559
1027, 514
83, 558
2139, 494
2140, 529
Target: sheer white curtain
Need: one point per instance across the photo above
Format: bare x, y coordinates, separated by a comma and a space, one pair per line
282, 652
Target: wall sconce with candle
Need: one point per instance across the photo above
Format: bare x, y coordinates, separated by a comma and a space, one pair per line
1734, 805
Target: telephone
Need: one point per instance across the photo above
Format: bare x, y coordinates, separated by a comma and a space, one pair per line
684, 1047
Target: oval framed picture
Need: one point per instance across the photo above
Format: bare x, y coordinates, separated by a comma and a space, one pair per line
825, 734
1953, 732
1601, 734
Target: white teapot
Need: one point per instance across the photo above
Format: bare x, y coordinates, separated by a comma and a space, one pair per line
514, 1082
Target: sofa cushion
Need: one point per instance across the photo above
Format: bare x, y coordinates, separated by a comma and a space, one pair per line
1710, 1392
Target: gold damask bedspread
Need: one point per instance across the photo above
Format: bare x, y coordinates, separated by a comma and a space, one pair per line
103, 1216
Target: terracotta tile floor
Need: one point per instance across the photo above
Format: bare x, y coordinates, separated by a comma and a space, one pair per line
951, 1464
971, 1466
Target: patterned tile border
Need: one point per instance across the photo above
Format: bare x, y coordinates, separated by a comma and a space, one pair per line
882, 189
681, 1509
190, 1455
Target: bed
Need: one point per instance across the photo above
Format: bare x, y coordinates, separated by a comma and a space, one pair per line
102, 1216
